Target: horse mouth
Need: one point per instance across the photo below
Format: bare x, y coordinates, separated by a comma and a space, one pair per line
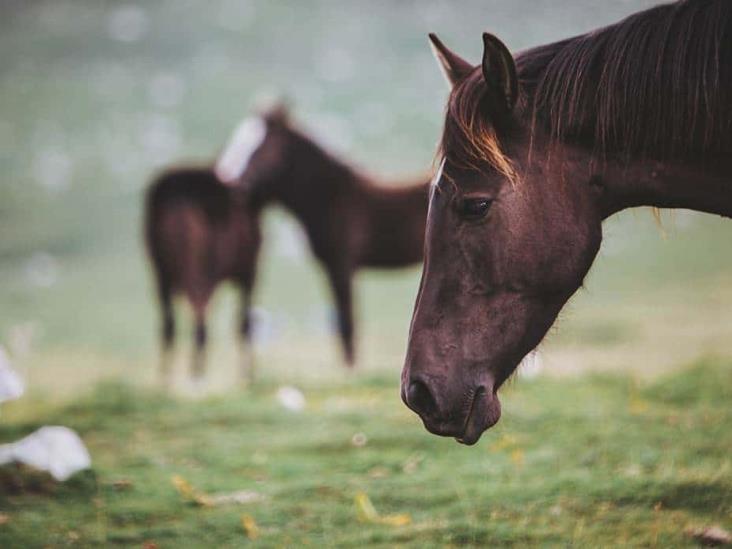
483, 413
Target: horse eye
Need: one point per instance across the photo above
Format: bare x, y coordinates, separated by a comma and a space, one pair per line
474, 208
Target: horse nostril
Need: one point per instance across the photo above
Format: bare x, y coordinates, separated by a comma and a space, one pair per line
420, 398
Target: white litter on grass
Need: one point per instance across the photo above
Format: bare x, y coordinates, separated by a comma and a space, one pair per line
291, 398
11, 385
531, 366
57, 450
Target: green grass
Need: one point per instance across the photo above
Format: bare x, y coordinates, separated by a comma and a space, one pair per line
598, 461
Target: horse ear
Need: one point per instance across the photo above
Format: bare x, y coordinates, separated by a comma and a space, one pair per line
272, 108
279, 112
499, 70
453, 67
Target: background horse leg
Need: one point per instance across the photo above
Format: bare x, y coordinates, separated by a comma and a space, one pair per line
340, 280
198, 366
167, 330
245, 333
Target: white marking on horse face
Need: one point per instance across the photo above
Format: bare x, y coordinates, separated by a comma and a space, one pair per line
433, 186
438, 175
243, 143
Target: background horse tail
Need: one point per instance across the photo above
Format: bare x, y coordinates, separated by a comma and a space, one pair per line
162, 264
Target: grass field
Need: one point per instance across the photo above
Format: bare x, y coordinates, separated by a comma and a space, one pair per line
622, 440
626, 464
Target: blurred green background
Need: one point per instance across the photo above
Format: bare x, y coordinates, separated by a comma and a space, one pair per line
96, 96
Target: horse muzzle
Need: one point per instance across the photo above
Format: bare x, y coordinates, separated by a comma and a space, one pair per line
464, 418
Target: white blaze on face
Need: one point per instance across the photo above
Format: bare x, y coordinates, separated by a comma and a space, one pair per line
436, 181
243, 143
438, 174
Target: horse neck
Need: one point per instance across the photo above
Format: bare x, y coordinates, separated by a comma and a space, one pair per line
312, 180
698, 183
701, 186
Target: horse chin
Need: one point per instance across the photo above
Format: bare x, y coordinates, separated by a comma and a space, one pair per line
484, 413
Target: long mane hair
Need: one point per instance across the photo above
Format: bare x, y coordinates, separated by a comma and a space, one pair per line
656, 84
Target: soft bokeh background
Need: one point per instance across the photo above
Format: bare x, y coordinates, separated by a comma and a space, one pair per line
96, 96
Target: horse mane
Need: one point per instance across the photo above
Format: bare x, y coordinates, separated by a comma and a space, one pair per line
656, 84
343, 173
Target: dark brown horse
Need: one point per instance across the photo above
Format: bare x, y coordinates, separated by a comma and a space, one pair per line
536, 152
351, 221
199, 233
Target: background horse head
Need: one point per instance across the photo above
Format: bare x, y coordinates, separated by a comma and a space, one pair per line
535, 154
351, 220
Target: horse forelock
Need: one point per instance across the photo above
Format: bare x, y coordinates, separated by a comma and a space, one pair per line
243, 143
469, 138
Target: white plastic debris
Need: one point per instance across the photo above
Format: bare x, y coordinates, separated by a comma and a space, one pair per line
710, 536
57, 450
11, 385
291, 398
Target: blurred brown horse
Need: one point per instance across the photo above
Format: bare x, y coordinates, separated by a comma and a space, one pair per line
200, 233
350, 220
537, 151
